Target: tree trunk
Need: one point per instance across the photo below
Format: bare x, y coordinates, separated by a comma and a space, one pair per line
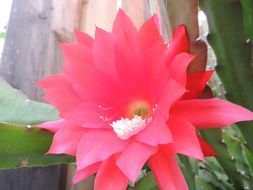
31, 50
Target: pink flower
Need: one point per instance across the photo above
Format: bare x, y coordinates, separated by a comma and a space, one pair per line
126, 100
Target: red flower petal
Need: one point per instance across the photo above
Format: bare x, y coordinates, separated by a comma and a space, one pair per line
185, 139
174, 91
210, 113
129, 61
86, 79
115, 75
167, 172
97, 145
86, 172
66, 139
178, 67
149, 34
135, 155
54, 126
59, 91
206, 148
196, 83
109, 177
157, 71
89, 82
86, 115
179, 43
76, 55
103, 53
83, 39
157, 132
123, 23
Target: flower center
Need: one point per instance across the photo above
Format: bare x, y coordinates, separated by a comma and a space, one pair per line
125, 128
138, 116
140, 108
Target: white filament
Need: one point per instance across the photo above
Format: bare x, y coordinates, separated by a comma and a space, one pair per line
125, 128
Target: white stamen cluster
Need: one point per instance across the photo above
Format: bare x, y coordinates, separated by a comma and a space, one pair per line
126, 128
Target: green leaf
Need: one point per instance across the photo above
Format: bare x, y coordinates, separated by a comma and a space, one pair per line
147, 182
214, 137
16, 108
201, 184
22, 145
211, 171
248, 17
26, 147
230, 23
228, 38
236, 149
188, 166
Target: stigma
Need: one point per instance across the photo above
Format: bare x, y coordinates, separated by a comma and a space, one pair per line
126, 128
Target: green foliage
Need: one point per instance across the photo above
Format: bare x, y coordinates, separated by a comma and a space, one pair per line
212, 172
231, 169
234, 168
228, 37
16, 108
248, 17
189, 168
231, 30
203, 184
25, 147
147, 182
21, 144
